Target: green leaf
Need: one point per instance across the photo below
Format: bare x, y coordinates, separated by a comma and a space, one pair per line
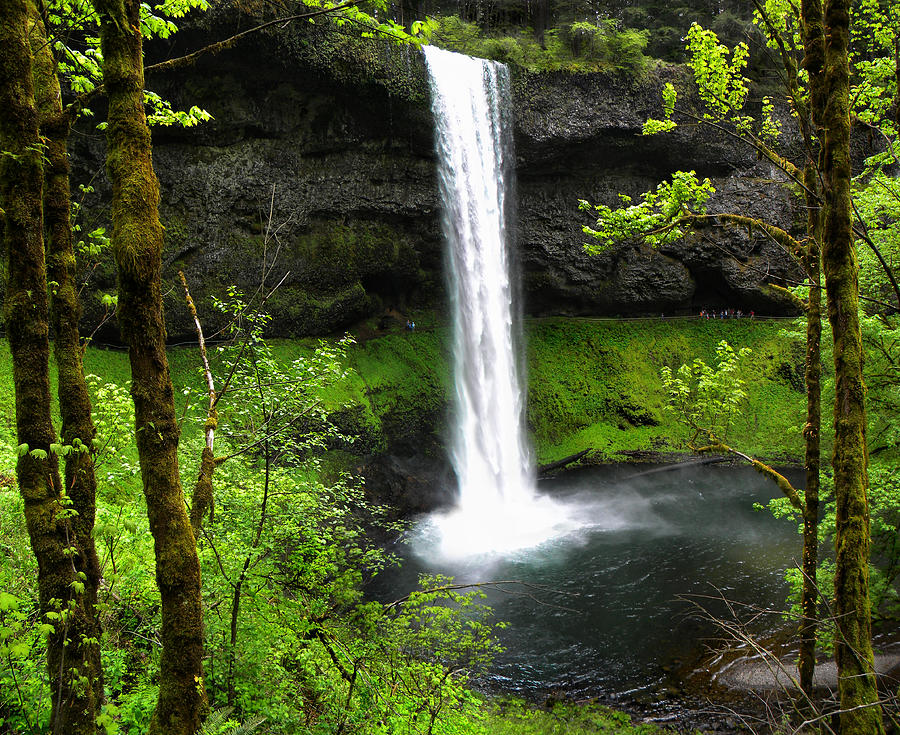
8, 601
19, 650
652, 127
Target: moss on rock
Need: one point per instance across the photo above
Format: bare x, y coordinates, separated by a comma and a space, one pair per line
595, 384
591, 384
336, 254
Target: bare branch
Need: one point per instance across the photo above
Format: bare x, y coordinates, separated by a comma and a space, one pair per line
202, 500
780, 480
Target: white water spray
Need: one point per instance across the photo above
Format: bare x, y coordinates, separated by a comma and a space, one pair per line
498, 509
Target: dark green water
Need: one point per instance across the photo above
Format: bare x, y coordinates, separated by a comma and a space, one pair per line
611, 619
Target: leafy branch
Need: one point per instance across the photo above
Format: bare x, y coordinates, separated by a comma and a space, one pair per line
707, 399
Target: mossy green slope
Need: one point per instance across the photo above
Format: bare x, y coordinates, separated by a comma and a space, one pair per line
591, 384
406, 381
595, 384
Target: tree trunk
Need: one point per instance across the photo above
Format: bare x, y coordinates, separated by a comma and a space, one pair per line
814, 62
809, 595
65, 312
137, 239
70, 656
860, 712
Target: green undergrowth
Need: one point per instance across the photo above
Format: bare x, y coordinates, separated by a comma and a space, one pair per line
513, 717
572, 47
395, 389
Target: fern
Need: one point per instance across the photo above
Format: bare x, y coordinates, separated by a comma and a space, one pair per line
218, 723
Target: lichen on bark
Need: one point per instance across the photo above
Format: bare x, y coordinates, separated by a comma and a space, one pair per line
137, 241
860, 711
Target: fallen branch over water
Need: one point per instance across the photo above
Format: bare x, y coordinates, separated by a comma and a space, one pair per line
544, 468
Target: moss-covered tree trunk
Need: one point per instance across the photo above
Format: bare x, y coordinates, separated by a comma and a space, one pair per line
71, 654
860, 712
137, 239
77, 426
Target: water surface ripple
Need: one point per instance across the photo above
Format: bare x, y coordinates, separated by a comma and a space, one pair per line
610, 618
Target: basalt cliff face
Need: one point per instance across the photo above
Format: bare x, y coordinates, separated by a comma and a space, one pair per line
579, 137
318, 174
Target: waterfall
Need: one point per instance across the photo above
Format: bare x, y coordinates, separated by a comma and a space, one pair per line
470, 100
498, 508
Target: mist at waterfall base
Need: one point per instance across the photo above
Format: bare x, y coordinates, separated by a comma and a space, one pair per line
607, 615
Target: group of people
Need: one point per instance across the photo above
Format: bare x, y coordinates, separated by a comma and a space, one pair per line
410, 325
724, 314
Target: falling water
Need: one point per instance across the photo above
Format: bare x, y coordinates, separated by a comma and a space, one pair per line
471, 106
498, 509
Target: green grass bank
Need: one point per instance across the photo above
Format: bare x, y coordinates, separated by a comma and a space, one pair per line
596, 384
591, 384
